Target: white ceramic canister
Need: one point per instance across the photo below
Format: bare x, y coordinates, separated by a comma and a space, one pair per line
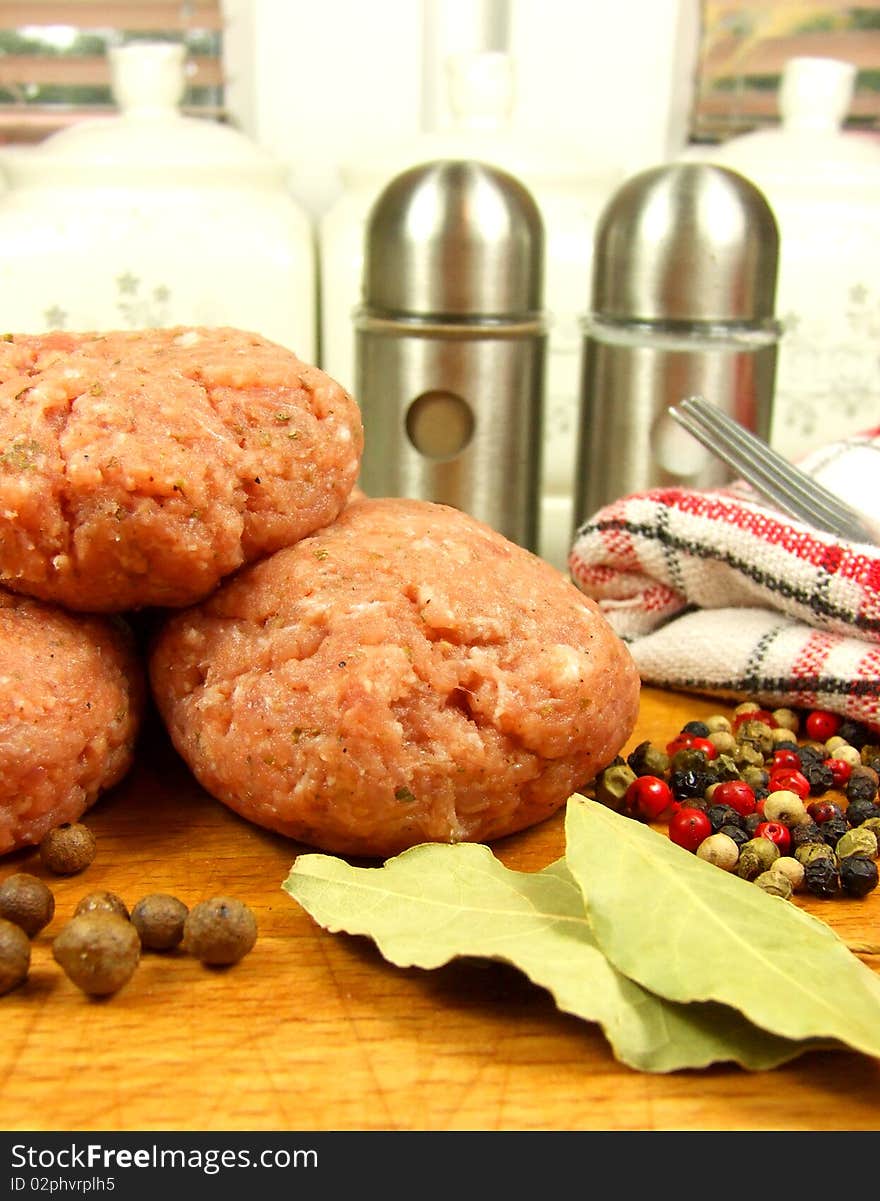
570, 192
151, 218
823, 185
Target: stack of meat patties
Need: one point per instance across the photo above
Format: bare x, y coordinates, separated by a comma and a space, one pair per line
358, 674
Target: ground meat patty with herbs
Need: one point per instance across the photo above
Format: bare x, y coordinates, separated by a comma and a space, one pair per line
404, 675
138, 468
71, 700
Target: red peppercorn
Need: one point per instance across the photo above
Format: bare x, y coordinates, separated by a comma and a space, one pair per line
840, 770
688, 828
736, 793
785, 759
821, 725
763, 715
787, 778
709, 749
823, 811
776, 832
681, 742
649, 797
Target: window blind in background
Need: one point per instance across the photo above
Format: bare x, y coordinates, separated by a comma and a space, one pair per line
53, 58
744, 45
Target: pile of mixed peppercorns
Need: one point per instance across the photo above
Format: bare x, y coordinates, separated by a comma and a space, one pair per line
745, 793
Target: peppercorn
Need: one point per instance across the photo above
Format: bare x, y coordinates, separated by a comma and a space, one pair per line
159, 919
858, 875
720, 850
736, 834
756, 777
723, 741
219, 931
834, 829
699, 728
821, 724
858, 841
26, 901
854, 732
814, 850
789, 866
777, 884
724, 815
102, 902
68, 849
758, 733
746, 755
718, 723
648, 760
98, 951
859, 811
819, 776
860, 788
756, 856
849, 755
611, 786
821, 877
870, 753
823, 811
784, 806
873, 824
787, 719
751, 822
804, 834
737, 795
689, 783
15, 955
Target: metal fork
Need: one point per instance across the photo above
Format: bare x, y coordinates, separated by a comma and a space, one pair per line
773, 477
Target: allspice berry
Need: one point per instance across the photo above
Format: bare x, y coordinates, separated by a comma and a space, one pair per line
159, 919
98, 951
219, 931
103, 902
68, 849
15, 955
26, 901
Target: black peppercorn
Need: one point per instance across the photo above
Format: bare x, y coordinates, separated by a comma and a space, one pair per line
737, 833
858, 875
859, 811
834, 829
860, 788
698, 728
689, 783
822, 878
724, 815
853, 732
819, 776
751, 823
648, 760
805, 833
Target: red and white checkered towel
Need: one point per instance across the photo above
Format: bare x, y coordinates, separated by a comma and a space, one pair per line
716, 592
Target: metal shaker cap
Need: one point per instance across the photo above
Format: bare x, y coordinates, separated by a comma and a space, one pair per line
686, 242
454, 239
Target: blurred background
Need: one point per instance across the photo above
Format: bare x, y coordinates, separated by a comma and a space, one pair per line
149, 220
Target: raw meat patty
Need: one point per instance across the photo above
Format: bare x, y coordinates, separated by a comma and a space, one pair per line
138, 468
404, 675
71, 700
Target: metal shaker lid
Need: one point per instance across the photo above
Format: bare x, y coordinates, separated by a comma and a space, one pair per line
687, 241
456, 239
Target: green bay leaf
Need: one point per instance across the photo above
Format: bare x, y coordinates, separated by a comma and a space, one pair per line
438, 902
688, 931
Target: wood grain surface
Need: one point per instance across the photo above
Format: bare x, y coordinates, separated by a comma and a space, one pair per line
315, 1031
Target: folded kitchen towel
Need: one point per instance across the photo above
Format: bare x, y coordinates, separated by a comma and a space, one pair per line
717, 592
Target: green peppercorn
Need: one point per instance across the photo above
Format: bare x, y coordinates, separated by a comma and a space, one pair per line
612, 785
15, 955
757, 734
648, 760
809, 852
219, 931
98, 952
756, 856
746, 754
68, 849
26, 901
755, 776
872, 824
858, 841
777, 884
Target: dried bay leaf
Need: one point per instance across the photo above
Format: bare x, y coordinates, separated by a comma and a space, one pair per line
437, 902
690, 932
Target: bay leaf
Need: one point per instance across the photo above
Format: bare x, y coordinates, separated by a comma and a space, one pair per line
686, 930
437, 902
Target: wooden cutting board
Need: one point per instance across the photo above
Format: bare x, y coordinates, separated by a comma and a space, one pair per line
315, 1031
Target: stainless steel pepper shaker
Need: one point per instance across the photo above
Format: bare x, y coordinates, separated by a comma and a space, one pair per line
450, 344
683, 294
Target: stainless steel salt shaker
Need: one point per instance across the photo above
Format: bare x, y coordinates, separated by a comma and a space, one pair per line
450, 344
683, 295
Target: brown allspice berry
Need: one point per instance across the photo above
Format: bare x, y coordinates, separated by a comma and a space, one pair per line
98, 952
68, 849
103, 902
159, 919
26, 901
15, 955
219, 931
